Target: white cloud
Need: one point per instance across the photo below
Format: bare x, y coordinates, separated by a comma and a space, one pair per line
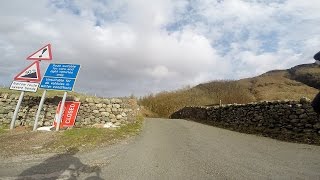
144, 46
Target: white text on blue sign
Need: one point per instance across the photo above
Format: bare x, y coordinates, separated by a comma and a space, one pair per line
60, 77
64, 84
62, 70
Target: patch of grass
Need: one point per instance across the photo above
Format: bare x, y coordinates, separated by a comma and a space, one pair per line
82, 137
86, 138
130, 129
2, 130
24, 141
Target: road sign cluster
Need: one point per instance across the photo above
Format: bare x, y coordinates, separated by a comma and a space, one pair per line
30, 76
57, 77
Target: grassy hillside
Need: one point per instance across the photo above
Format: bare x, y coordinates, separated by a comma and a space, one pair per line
165, 103
293, 83
277, 85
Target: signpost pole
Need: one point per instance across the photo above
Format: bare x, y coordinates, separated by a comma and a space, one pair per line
39, 110
14, 117
61, 110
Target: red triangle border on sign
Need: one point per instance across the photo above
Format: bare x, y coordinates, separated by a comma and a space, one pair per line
38, 79
49, 50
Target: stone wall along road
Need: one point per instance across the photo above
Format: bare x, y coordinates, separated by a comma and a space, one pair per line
93, 110
286, 120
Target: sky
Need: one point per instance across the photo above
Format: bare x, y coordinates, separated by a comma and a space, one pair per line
138, 47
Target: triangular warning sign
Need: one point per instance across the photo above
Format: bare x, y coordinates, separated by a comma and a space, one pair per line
30, 74
42, 54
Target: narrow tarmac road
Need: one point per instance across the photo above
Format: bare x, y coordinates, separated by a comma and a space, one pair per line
176, 149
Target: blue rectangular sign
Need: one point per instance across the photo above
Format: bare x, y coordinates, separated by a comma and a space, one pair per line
62, 70
63, 84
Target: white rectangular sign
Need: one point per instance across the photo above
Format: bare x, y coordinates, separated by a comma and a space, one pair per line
24, 86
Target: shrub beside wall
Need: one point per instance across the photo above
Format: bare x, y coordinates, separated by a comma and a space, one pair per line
91, 111
286, 120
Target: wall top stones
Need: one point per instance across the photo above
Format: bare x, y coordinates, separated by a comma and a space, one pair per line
303, 100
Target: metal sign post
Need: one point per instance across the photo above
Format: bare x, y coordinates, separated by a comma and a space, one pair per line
14, 117
61, 110
39, 110
43, 53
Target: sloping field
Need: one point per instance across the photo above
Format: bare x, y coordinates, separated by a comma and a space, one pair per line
294, 83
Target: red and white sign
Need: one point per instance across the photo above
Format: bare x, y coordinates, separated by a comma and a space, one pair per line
42, 54
69, 114
30, 74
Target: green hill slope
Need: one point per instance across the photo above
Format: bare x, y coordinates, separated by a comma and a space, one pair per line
294, 83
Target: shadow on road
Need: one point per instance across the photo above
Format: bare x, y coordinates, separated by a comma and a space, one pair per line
61, 166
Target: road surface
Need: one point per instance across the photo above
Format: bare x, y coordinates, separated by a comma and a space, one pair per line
176, 149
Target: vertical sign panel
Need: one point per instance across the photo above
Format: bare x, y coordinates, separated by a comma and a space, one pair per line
60, 77
69, 114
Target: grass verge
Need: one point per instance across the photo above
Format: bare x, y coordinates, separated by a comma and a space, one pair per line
88, 138
2, 130
23, 141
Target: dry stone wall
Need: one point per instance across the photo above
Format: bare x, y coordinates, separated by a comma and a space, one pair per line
92, 110
286, 120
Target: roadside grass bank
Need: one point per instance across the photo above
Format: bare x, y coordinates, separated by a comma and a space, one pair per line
3, 130
26, 142
91, 137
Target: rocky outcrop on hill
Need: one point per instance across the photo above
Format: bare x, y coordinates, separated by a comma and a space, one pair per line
308, 74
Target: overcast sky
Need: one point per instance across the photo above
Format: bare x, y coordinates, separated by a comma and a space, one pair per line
145, 46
